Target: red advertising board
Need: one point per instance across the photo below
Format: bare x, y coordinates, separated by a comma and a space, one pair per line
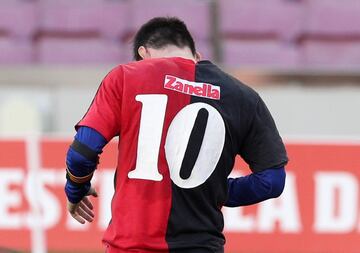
319, 210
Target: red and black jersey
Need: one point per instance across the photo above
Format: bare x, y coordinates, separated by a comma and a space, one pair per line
180, 125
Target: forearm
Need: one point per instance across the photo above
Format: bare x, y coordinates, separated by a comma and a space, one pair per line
81, 161
256, 187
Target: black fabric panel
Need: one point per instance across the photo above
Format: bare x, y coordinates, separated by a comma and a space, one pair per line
262, 148
195, 221
250, 126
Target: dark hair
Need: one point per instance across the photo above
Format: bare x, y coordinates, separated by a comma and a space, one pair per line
163, 31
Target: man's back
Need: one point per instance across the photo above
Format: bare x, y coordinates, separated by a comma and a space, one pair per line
181, 125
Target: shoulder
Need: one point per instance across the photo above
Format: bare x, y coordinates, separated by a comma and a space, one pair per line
115, 74
112, 83
231, 87
242, 89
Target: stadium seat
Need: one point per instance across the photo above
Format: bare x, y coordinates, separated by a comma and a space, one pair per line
18, 18
78, 51
15, 51
195, 13
116, 19
333, 54
71, 16
259, 53
109, 18
276, 18
331, 17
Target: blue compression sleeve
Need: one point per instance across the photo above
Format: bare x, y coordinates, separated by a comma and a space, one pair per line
79, 166
255, 187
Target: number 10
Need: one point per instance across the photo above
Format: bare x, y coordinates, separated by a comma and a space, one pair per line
177, 139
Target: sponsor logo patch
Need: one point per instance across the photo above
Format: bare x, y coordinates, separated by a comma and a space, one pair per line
205, 90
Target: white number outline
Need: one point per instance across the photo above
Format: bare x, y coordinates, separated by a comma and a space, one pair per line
176, 142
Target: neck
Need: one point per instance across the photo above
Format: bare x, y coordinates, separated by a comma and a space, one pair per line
180, 53
173, 51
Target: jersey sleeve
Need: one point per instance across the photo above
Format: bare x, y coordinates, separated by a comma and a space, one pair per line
263, 147
103, 114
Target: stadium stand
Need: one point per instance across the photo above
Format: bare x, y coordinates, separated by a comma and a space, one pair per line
277, 19
17, 25
60, 16
332, 18
18, 18
281, 33
260, 53
81, 32
116, 19
331, 35
195, 13
77, 51
257, 34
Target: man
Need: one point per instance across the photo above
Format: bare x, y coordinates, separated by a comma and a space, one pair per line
181, 122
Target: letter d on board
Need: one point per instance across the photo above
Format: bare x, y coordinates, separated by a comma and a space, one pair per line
336, 201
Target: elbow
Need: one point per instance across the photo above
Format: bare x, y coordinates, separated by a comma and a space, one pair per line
73, 159
78, 164
278, 183
278, 191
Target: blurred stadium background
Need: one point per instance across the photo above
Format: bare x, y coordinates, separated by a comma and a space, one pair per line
302, 56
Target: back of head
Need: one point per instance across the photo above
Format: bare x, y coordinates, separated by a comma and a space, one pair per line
160, 32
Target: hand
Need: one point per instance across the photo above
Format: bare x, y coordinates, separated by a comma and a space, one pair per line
83, 211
